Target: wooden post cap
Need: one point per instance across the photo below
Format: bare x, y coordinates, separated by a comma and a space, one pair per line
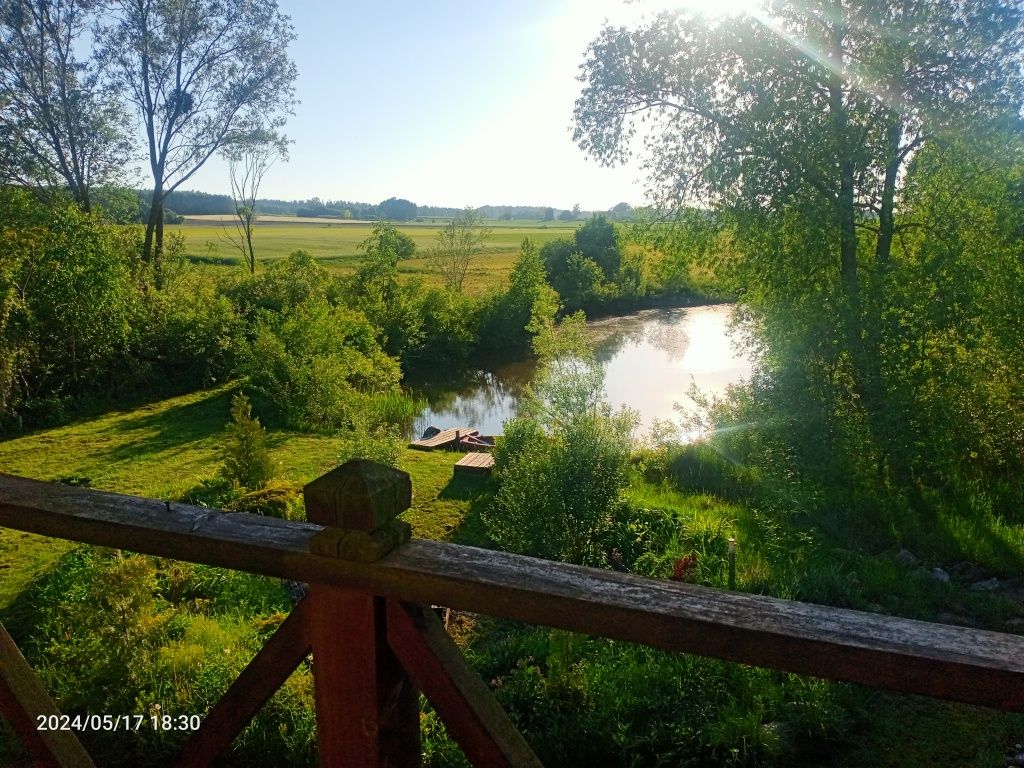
359, 495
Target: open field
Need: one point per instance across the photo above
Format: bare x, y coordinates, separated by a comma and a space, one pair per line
335, 244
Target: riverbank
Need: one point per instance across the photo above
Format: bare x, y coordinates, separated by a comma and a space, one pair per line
650, 358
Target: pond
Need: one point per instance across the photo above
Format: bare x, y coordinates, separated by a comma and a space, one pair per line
650, 360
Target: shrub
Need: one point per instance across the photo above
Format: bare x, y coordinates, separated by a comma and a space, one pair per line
247, 461
314, 366
561, 477
186, 334
67, 299
284, 284
511, 318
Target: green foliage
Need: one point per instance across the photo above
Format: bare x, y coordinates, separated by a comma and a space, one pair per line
279, 499
447, 333
374, 289
639, 706
591, 269
138, 636
186, 334
561, 474
67, 299
397, 209
457, 243
315, 366
874, 251
247, 462
511, 318
284, 284
375, 442
597, 240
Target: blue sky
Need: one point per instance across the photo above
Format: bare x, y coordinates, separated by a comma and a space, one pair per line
444, 103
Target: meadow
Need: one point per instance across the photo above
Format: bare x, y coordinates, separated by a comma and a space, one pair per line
336, 244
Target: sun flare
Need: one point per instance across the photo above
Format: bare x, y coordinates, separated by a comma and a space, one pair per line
702, 7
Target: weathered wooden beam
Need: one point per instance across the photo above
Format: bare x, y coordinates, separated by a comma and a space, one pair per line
472, 715
367, 709
956, 663
23, 699
262, 677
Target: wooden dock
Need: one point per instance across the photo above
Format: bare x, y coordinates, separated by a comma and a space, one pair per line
443, 439
474, 464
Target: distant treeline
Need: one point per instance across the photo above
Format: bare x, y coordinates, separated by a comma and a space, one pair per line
189, 203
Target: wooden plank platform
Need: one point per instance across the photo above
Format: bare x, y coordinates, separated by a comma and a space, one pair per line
474, 464
442, 439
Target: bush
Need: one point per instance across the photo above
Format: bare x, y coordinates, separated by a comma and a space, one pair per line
315, 367
380, 443
283, 285
125, 635
511, 318
561, 478
67, 299
186, 334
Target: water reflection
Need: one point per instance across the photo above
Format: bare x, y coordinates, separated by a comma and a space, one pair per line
650, 359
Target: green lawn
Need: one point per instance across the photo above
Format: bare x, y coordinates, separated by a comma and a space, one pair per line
336, 244
165, 448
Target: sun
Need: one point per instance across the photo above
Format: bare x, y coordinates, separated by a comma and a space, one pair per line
701, 7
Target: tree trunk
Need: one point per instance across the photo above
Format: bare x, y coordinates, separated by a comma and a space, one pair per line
158, 251
248, 242
152, 247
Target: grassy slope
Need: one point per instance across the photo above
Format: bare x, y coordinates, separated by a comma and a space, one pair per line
163, 449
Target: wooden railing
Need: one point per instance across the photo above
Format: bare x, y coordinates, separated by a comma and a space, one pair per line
374, 645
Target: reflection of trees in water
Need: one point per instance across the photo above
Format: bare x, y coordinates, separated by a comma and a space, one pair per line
661, 329
481, 397
485, 399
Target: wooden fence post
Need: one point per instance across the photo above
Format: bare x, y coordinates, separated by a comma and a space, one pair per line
367, 708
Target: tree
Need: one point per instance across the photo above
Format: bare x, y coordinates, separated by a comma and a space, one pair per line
202, 75
800, 123
374, 288
514, 317
248, 163
562, 470
397, 209
549, 214
621, 212
247, 462
457, 243
57, 126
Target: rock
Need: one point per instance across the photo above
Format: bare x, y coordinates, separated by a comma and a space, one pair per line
906, 558
939, 575
988, 585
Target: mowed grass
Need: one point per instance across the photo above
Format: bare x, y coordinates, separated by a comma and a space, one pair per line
165, 448
335, 244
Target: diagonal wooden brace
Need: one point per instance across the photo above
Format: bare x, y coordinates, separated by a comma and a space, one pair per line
22, 701
469, 710
269, 669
